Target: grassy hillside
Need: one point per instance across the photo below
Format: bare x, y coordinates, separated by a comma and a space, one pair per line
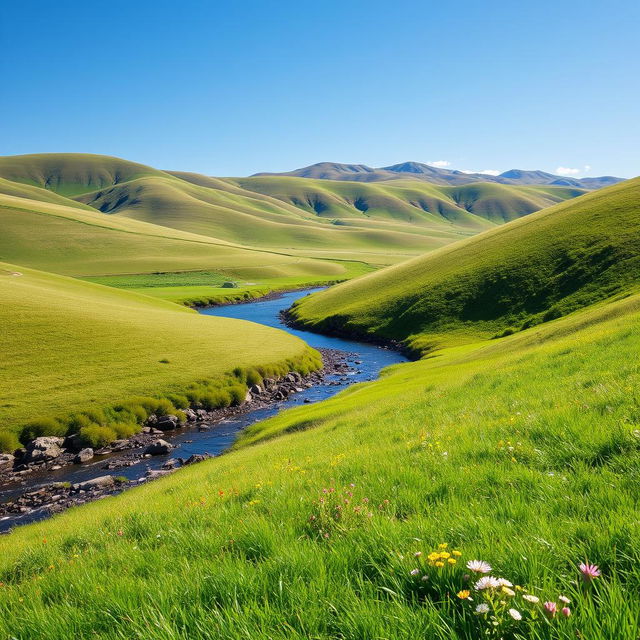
80, 241
522, 452
531, 270
70, 346
376, 223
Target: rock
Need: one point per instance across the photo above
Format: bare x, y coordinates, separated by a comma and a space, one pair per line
191, 415
84, 455
152, 474
248, 398
101, 482
197, 457
73, 442
119, 445
256, 389
158, 448
103, 451
6, 461
202, 414
167, 423
307, 400
44, 448
172, 463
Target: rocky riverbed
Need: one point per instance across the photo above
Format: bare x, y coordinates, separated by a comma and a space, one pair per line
26, 471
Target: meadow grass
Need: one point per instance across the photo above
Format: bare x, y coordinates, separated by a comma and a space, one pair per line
70, 347
522, 452
529, 271
377, 223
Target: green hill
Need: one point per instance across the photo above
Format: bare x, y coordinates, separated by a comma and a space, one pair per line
520, 452
69, 346
374, 223
531, 270
77, 240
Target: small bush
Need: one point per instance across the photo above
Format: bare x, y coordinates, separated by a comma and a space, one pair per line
179, 401
253, 377
238, 394
182, 416
96, 416
97, 436
215, 399
42, 427
124, 430
8, 442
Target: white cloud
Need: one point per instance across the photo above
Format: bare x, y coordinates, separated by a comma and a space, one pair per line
487, 172
440, 163
587, 168
568, 171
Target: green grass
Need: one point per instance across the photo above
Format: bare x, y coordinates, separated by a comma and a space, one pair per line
532, 270
374, 223
198, 288
521, 451
70, 346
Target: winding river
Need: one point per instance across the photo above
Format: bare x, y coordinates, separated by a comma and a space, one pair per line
365, 361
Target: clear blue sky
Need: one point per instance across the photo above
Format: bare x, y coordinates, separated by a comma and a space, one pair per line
231, 88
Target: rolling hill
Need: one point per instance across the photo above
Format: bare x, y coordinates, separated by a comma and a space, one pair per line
436, 175
528, 271
70, 346
374, 223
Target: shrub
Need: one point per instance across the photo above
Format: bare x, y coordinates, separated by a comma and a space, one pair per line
125, 430
42, 427
8, 442
238, 394
215, 399
253, 377
96, 416
182, 416
97, 436
179, 401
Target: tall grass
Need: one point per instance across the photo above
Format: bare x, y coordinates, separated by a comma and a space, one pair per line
522, 452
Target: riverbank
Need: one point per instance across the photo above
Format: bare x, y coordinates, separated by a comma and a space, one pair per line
27, 492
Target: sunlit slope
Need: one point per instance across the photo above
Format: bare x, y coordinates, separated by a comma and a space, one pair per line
410, 201
378, 223
521, 452
76, 241
531, 270
68, 345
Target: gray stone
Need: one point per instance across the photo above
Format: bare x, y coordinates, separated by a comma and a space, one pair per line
84, 455
248, 398
6, 461
44, 448
73, 442
256, 389
158, 448
191, 415
102, 482
167, 423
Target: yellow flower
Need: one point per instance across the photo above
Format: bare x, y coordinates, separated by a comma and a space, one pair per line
443, 545
456, 553
433, 556
445, 554
464, 594
439, 564
452, 561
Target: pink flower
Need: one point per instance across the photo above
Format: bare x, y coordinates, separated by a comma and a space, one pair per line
550, 609
589, 571
566, 612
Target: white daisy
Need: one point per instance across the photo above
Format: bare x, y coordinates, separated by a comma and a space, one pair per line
515, 614
478, 566
482, 608
487, 582
529, 598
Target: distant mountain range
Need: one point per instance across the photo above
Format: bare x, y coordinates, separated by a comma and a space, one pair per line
435, 175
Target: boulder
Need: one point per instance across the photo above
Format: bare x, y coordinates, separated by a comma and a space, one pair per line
256, 389
84, 455
44, 448
158, 448
6, 461
191, 415
197, 457
73, 442
102, 482
248, 397
167, 423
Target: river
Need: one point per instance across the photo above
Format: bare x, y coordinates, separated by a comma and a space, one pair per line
366, 361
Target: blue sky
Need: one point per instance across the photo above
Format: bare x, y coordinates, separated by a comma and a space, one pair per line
232, 88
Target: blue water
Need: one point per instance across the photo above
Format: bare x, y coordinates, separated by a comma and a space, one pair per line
365, 361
